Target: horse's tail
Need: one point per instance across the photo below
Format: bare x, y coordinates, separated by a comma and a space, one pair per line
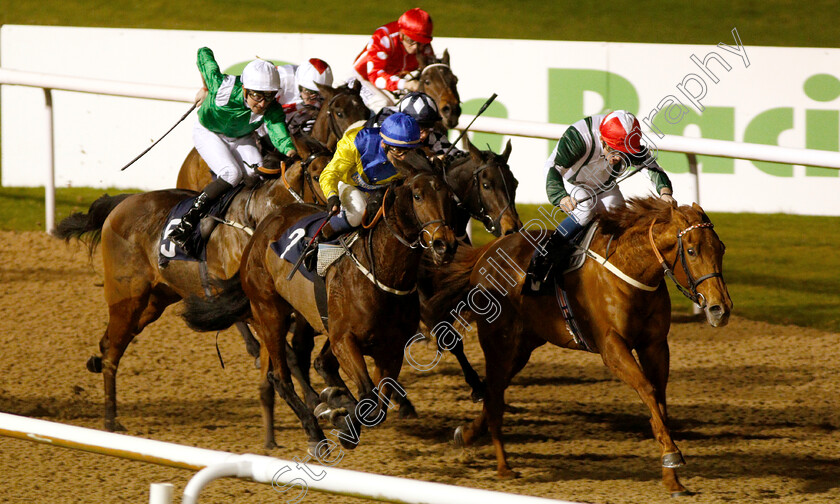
219, 311
88, 227
451, 282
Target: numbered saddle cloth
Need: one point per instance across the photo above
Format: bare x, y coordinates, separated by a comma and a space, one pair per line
171, 252
294, 240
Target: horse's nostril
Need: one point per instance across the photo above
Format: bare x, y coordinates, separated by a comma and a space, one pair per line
439, 246
716, 309
445, 109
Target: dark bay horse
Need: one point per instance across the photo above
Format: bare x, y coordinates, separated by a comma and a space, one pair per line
438, 81
615, 316
137, 288
343, 106
370, 313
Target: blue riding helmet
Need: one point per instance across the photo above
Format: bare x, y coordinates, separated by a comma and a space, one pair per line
400, 130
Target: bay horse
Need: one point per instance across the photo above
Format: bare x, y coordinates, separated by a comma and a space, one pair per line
484, 189
343, 106
438, 81
372, 300
615, 315
137, 287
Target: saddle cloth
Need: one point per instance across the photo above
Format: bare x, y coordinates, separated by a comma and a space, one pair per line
293, 242
169, 251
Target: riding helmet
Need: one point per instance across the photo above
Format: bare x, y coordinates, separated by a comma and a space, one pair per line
400, 130
260, 75
416, 24
421, 107
621, 131
314, 71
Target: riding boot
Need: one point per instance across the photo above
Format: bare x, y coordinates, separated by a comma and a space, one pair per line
182, 236
544, 269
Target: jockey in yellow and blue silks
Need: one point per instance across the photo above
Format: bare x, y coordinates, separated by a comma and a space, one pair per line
363, 163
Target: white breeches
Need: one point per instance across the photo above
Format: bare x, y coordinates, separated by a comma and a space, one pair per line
227, 157
375, 99
353, 201
584, 212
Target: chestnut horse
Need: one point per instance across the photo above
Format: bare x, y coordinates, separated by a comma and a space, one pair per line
342, 107
137, 288
371, 312
438, 81
615, 315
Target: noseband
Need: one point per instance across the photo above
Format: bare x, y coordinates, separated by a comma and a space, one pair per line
690, 292
492, 226
418, 242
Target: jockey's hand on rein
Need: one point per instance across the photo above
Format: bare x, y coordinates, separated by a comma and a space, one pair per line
333, 204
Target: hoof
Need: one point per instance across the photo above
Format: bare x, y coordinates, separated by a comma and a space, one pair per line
312, 449
408, 411
684, 493
459, 437
114, 426
270, 445
257, 362
328, 394
478, 392
347, 444
336, 416
673, 460
507, 473
94, 364
321, 411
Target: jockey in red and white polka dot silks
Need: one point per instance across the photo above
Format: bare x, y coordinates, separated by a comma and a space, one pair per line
392, 52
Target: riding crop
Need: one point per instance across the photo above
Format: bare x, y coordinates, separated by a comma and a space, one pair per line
464, 132
161, 138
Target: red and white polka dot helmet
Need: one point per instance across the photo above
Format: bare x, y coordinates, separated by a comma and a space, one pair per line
621, 131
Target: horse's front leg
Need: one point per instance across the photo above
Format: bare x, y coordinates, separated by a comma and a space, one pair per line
350, 358
620, 361
655, 361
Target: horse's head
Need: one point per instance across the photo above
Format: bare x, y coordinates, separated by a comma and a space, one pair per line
490, 190
438, 81
422, 205
314, 158
342, 107
699, 262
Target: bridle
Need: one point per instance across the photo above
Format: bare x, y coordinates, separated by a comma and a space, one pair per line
479, 211
690, 292
304, 165
418, 242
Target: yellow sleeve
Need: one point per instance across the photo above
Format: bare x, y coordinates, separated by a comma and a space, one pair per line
345, 162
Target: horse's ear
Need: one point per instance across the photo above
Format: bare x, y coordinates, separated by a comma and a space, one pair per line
703, 216
445, 58
475, 154
506, 153
357, 86
326, 91
301, 145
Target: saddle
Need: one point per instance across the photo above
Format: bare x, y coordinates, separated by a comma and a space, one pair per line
170, 252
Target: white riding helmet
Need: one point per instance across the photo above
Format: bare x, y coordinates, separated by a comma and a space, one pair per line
260, 75
312, 72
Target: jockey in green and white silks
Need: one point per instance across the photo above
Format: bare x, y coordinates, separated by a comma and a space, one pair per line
363, 162
224, 136
584, 164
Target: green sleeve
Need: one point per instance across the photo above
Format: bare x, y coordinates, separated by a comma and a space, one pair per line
554, 187
209, 69
569, 150
275, 124
655, 172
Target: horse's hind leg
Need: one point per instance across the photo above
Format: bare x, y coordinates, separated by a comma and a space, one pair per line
655, 362
251, 343
298, 355
470, 376
621, 362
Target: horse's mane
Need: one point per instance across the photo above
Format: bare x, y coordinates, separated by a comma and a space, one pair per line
637, 211
311, 143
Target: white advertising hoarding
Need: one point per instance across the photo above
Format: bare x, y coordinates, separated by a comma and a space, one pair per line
776, 96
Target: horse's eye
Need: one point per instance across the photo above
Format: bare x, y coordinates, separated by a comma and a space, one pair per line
316, 177
485, 185
427, 82
416, 197
691, 252
340, 115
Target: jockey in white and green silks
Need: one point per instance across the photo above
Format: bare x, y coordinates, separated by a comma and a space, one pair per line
592, 153
224, 136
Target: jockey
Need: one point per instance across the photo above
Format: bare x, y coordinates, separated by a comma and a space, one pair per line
223, 135
300, 96
363, 163
424, 110
391, 54
585, 161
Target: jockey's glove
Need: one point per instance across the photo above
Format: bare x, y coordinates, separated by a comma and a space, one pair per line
333, 203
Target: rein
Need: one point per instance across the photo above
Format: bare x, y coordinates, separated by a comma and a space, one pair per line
479, 211
690, 292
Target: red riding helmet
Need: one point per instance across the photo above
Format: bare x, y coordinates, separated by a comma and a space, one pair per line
417, 25
621, 131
